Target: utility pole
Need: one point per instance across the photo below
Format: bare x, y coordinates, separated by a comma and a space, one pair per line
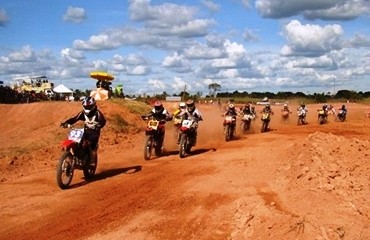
183, 93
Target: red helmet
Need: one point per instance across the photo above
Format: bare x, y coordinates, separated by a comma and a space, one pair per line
158, 106
88, 104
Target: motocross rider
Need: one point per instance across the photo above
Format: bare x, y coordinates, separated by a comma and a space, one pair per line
177, 117
286, 108
93, 119
192, 113
181, 108
303, 109
231, 111
160, 114
267, 109
326, 111
247, 110
343, 110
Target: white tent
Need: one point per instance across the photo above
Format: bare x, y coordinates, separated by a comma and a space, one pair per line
62, 89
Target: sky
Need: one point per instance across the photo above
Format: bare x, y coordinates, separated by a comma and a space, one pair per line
156, 46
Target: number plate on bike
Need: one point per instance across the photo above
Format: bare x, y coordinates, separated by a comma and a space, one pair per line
76, 134
153, 124
186, 123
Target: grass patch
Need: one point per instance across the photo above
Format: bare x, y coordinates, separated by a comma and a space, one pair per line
135, 107
119, 124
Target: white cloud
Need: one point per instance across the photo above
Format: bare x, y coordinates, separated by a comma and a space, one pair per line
313, 9
211, 5
156, 86
74, 15
201, 51
179, 84
311, 40
26, 54
4, 19
177, 63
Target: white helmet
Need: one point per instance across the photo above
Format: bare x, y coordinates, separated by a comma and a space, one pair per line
182, 105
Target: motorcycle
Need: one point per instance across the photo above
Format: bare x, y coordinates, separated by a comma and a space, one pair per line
285, 115
154, 132
322, 116
229, 127
341, 116
265, 121
246, 122
301, 117
188, 136
75, 155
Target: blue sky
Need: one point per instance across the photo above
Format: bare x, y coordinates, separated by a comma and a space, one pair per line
156, 46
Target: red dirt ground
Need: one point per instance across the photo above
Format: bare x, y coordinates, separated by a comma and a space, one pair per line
293, 182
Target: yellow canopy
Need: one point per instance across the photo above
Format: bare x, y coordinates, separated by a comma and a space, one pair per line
102, 76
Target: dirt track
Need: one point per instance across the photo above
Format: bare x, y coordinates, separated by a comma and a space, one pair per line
294, 182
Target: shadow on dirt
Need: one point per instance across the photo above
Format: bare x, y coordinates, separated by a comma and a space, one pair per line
107, 174
201, 150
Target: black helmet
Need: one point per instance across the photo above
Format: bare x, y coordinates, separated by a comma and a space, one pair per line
343, 106
89, 105
190, 105
231, 106
158, 107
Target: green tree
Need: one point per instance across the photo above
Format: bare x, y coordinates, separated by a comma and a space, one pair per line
214, 88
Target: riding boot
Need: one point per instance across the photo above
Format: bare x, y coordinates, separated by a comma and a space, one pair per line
92, 156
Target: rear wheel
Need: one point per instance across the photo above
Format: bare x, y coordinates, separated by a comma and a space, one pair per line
148, 147
65, 170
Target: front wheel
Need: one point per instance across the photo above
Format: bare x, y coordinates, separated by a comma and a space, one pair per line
228, 133
183, 146
321, 119
90, 169
158, 146
264, 126
148, 147
65, 169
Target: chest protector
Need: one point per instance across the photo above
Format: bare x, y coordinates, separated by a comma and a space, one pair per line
90, 122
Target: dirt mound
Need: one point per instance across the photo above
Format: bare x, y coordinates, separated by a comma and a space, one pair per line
324, 180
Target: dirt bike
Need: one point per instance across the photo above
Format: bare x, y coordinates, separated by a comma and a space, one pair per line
75, 155
229, 127
301, 117
322, 116
246, 122
285, 115
265, 121
341, 116
188, 136
154, 132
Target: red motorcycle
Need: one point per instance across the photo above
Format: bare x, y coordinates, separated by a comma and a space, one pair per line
246, 122
154, 137
229, 127
265, 118
75, 155
188, 136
